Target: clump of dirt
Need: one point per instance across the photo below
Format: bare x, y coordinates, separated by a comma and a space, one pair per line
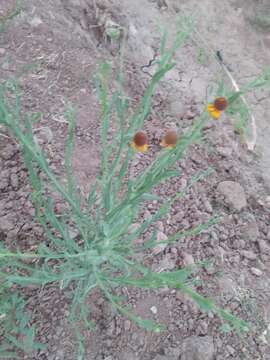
52, 48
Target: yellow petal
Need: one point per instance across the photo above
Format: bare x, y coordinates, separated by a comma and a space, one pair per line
215, 113
140, 149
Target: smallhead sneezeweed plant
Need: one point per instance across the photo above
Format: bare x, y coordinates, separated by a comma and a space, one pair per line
105, 257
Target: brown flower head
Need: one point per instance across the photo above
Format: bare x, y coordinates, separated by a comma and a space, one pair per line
220, 103
170, 139
140, 142
215, 109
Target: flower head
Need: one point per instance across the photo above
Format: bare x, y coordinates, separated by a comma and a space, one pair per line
140, 142
219, 105
169, 140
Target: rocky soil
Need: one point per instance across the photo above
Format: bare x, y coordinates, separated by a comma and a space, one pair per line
52, 48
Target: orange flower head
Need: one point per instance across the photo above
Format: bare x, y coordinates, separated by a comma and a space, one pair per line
220, 103
140, 142
169, 140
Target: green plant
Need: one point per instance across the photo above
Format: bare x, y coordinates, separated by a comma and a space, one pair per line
104, 257
14, 324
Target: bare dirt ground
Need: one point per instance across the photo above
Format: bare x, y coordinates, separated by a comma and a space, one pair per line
53, 47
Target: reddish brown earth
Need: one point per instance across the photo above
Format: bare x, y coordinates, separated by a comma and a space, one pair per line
52, 48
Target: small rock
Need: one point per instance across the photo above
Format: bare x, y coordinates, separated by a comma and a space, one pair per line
153, 310
250, 230
202, 329
224, 151
260, 265
264, 247
256, 272
198, 348
188, 259
8, 152
233, 193
167, 263
14, 181
160, 247
208, 206
178, 109
35, 21
5, 225
2, 51
248, 254
230, 349
127, 325
160, 226
227, 287
179, 216
4, 182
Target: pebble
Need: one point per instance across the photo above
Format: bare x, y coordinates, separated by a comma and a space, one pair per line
160, 247
154, 310
256, 272
248, 254
127, 325
9, 152
264, 247
167, 263
230, 349
198, 348
233, 193
202, 328
188, 259
160, 226
208, 206
14, 181
250, 230
35, 21
4, 182
5, 224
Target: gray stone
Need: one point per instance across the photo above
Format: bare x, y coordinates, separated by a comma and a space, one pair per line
202, 329
256, 272
227, 287
2, 51
264, 247
5, 224
248, 254
4, 182
198, 348
161, 238
233, 194
127, 325
208, 206
167, 263
35, 21
14, 181
178, 109
9, 152
250, 230
188, 259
